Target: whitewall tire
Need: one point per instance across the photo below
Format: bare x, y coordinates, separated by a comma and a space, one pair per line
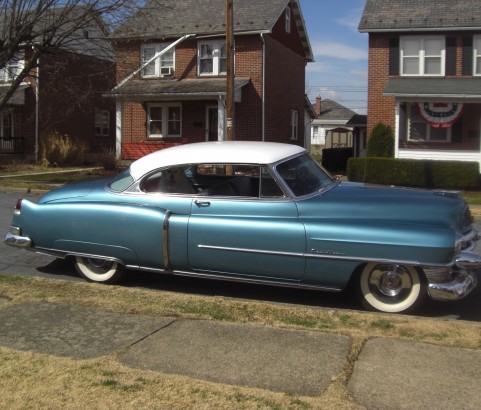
391, 288
99, 270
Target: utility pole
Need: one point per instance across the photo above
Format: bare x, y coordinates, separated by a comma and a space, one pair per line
230, 114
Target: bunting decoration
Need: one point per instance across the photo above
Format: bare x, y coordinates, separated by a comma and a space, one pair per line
440, 115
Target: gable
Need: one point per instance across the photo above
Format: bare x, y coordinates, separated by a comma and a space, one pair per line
395, 15
207, 18
201, 18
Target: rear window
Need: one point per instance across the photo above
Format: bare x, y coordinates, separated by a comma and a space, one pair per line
121, 182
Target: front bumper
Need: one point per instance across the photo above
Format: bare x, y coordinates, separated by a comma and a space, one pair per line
456, 282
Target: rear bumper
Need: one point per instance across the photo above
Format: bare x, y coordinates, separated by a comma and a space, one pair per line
13, 238
456, 282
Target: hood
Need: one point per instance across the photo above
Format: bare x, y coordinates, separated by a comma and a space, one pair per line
76, 190
359, 201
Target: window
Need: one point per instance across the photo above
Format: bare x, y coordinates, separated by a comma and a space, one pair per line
294, 124
212, 58
288, 20
477, 55
420, 130
6, 124
12, 69
422, 55
161, 66
102, 123
164, 120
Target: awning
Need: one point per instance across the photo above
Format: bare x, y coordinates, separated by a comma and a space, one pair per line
188, 89
18, 97
428, 89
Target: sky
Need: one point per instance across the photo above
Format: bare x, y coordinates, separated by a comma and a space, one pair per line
339, 72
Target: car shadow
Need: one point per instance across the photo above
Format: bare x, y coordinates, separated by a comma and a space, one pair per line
468, 309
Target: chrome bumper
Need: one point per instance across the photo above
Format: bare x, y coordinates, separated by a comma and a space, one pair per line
14, 239
456, 282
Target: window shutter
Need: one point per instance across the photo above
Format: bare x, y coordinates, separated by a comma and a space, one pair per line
467, 56
451, 56
394, 56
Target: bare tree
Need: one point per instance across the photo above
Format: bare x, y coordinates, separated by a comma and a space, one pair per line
32, 28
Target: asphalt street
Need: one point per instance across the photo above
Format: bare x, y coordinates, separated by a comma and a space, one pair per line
15, 261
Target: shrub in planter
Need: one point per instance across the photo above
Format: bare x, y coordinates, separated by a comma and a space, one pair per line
381, 141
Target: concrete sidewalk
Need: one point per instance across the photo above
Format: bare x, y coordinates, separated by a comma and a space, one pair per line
387, 373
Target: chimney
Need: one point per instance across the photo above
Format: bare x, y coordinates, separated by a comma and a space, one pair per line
318, 105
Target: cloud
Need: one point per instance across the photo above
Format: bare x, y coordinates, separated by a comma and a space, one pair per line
338, 50
362, 74
351, 19
317, 67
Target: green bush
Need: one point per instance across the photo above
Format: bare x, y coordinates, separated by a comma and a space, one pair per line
381, 141
414, 173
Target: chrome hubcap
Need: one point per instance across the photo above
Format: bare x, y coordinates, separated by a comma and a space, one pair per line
98, 265
389, 280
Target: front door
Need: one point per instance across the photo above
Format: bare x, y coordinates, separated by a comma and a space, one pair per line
212, 129
247, 237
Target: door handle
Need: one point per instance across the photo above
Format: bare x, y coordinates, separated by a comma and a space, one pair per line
202, 204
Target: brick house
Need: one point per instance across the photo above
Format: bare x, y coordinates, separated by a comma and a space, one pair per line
425, 76
64, 95
169, 96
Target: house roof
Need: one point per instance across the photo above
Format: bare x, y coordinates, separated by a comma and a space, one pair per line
451, 88
207, 18
171, 89
333, 111
426, 15
358, 120
75, 28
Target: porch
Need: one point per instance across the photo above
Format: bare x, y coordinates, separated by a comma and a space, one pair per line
12, 146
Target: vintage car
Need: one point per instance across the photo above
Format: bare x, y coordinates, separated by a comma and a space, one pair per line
258, 212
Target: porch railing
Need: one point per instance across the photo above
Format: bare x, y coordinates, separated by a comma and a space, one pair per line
12, 145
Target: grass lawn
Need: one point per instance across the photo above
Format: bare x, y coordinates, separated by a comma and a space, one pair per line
31, 380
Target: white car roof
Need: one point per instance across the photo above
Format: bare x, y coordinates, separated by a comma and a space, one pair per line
226, 152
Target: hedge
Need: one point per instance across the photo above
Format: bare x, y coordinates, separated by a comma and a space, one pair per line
414, 173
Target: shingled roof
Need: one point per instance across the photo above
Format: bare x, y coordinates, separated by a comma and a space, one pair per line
333, 111
207, 17
396, 15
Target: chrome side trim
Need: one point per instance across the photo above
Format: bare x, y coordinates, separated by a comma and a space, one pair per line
165, 237
242, 279
324, 256
64, 254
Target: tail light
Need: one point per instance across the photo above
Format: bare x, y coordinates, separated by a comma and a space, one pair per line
18, 207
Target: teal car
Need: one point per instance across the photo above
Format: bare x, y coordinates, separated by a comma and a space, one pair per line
258, 212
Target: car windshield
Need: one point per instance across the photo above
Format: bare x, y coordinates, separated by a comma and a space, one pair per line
303, 175
121, 182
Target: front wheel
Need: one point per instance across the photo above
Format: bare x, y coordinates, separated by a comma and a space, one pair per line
99, 270
391, 288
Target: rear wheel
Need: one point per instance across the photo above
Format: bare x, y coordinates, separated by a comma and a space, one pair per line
391, 288
99, 270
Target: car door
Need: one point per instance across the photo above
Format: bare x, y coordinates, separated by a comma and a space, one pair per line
258, 237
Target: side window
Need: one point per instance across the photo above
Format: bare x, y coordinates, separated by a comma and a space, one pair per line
477, 55
171, 180
237, 180
269, 186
